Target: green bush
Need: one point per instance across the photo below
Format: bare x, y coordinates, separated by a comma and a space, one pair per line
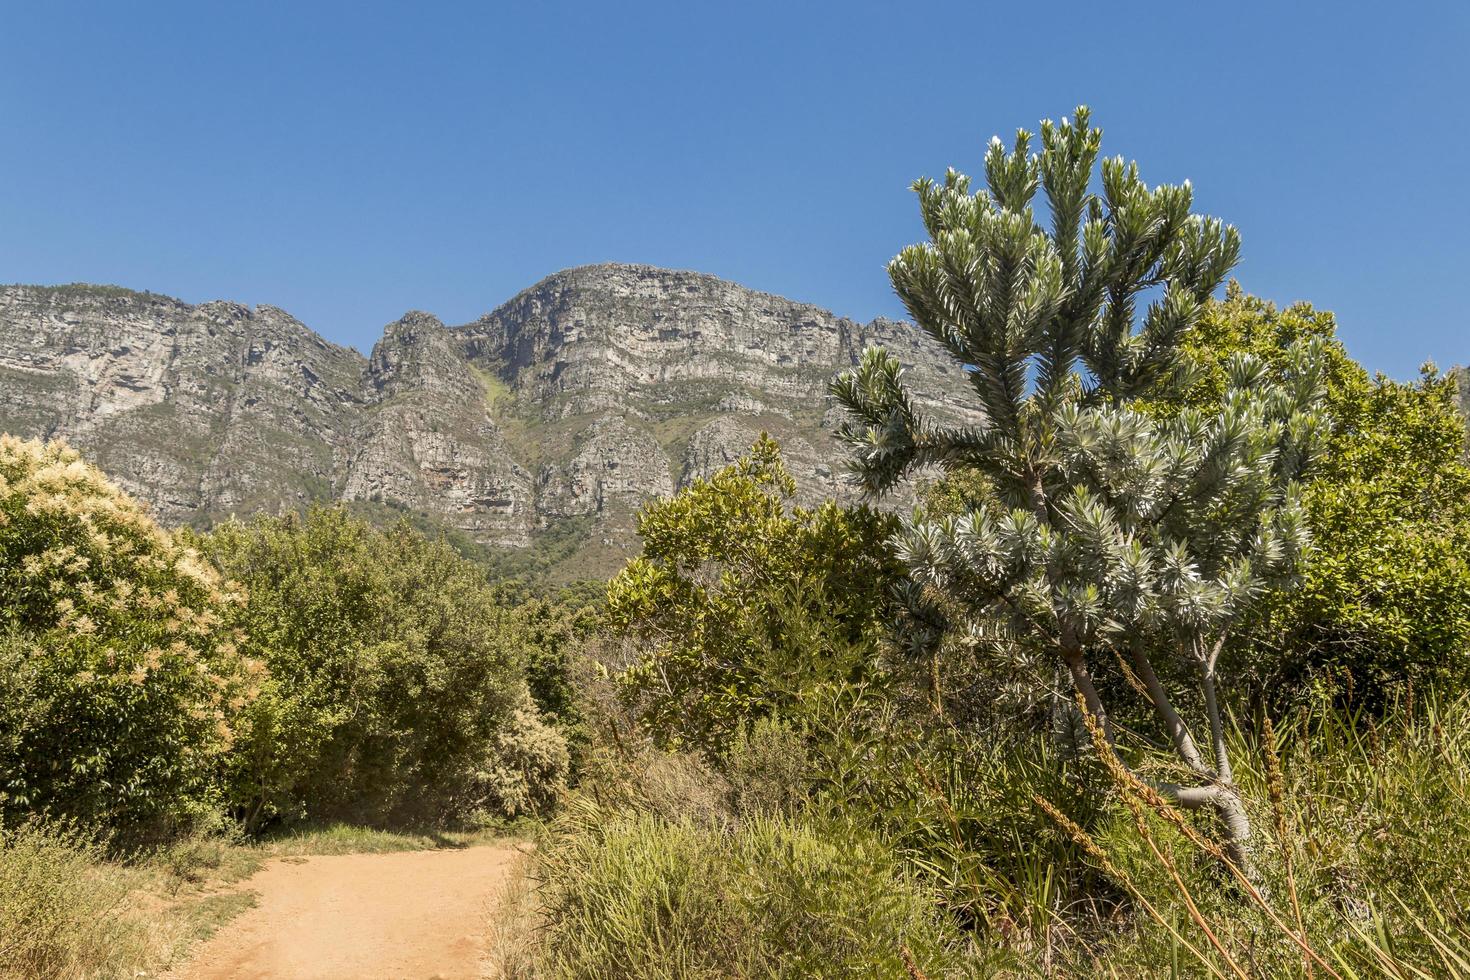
731, 584
555, 626
120, 682
1385, 592
633, 895
769, 768
526, 767
393, 671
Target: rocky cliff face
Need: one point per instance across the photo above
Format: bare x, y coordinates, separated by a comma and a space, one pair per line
201, 410
568, 406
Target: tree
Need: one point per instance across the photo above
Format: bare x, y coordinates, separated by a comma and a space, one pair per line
740, 602
394, 669
1384, 597
1110, 533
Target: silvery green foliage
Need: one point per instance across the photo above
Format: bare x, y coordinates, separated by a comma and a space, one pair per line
1164, 529
1111, 526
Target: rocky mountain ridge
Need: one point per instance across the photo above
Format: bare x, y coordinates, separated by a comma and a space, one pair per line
552, 417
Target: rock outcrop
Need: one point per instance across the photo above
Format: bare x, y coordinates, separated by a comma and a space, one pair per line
575, 401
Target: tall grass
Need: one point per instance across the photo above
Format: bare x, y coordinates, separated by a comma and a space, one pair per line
941, 858
636, 895
1359, 865
71, 907
663, 867
62, 915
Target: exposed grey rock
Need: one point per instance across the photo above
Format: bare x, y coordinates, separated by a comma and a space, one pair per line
201, 410
578, 399
425, 439
614, 460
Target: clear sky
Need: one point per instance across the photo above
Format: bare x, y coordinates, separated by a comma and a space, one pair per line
350, 161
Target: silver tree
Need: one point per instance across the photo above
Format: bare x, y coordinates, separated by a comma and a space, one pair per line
1113, 532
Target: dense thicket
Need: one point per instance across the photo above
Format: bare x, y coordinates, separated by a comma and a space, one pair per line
145, 700
122, 679
395, 676
555, 625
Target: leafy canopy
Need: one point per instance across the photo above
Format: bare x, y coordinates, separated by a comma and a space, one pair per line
1042, 318
739, 601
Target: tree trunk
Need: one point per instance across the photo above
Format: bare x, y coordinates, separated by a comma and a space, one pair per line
1237, 830
1082, 678
1220, 792
1235, 824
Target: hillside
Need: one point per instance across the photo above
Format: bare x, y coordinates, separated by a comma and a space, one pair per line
539, 427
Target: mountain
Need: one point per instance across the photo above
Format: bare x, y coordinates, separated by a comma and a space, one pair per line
541, 426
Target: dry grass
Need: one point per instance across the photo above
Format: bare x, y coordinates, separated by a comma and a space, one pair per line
517, 925
68, 909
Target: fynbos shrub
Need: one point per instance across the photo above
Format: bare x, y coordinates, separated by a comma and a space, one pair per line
119, 685
393, 668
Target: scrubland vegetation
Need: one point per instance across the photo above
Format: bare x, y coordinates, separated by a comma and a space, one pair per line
1167, 675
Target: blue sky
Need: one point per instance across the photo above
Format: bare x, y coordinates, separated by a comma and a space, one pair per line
351, 161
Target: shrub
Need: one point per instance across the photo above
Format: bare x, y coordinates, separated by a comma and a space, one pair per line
769, 768
621, 769
728, 573
636, 895
555, 625
1385, 592
526, 767
120, 684
393, 669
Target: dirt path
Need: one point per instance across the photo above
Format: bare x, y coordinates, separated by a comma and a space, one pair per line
401, 916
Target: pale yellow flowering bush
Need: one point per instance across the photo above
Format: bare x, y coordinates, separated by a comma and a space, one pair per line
526, 767
120, 684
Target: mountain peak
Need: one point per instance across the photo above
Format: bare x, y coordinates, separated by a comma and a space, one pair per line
557, 414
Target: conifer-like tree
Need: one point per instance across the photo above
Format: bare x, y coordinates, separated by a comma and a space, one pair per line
1110, 532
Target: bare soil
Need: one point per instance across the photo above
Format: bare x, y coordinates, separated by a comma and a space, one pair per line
409, 915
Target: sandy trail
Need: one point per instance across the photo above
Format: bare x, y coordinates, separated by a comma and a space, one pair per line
401, 916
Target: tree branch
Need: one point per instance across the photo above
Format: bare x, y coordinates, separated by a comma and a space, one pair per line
1178, 731
1212, 707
